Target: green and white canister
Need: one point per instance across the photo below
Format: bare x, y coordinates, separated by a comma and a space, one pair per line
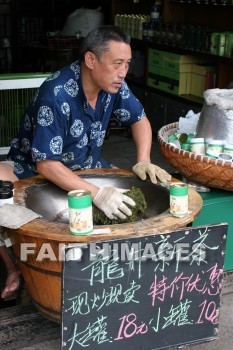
80, 212
228, 148
197, 145
6, 193
178, 199
215, 147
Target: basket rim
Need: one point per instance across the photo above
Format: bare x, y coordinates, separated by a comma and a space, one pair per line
187, 154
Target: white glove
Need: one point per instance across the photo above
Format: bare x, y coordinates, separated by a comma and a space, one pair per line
141, 169
111, 201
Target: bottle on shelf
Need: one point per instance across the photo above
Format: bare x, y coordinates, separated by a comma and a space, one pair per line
155, 11
154, 22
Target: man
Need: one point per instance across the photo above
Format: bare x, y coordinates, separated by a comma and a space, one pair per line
12, 279
65, 125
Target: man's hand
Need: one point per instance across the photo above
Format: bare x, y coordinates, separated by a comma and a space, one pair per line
141, 169
111, 201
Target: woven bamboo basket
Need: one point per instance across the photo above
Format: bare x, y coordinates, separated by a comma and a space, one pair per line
201, 169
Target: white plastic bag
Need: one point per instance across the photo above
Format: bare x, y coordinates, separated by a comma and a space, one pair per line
82, 21
222, 98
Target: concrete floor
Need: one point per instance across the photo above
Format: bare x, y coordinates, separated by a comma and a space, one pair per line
120, 150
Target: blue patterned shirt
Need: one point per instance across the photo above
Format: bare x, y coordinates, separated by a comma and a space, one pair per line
59, 124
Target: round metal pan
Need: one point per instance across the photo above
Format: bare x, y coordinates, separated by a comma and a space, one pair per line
51, 201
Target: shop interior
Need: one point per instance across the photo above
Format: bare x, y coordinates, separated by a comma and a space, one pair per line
180, 49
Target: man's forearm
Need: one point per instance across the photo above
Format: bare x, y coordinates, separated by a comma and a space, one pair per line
63, 177
142, 135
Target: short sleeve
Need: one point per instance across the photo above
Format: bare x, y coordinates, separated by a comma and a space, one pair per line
127, 108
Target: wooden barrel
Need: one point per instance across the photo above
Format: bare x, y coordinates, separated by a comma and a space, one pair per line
42, 276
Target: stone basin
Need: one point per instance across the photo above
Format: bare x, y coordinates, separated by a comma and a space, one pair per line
43, 278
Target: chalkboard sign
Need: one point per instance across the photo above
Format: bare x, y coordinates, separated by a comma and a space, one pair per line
143, 293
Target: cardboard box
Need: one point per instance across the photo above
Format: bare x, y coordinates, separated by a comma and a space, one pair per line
200, 79
156, 81
156, 70
197, 85
179, 63
229, 44
171, 72
155, 58
177, 67
176, 85
203, 69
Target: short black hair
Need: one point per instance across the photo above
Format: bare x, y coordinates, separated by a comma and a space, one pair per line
97, 41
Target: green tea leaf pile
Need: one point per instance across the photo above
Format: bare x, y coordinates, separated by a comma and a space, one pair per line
99, 218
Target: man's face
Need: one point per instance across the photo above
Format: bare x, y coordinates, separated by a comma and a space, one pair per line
110, 70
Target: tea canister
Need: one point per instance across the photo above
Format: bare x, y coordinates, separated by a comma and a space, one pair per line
197, 145
6, 193
185, 141
80, 212
228, 148
173, 141
225, 157
178, 199
215, 147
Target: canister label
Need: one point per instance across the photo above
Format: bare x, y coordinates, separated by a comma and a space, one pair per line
178, 199
80, 212
215, 147
197, 145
